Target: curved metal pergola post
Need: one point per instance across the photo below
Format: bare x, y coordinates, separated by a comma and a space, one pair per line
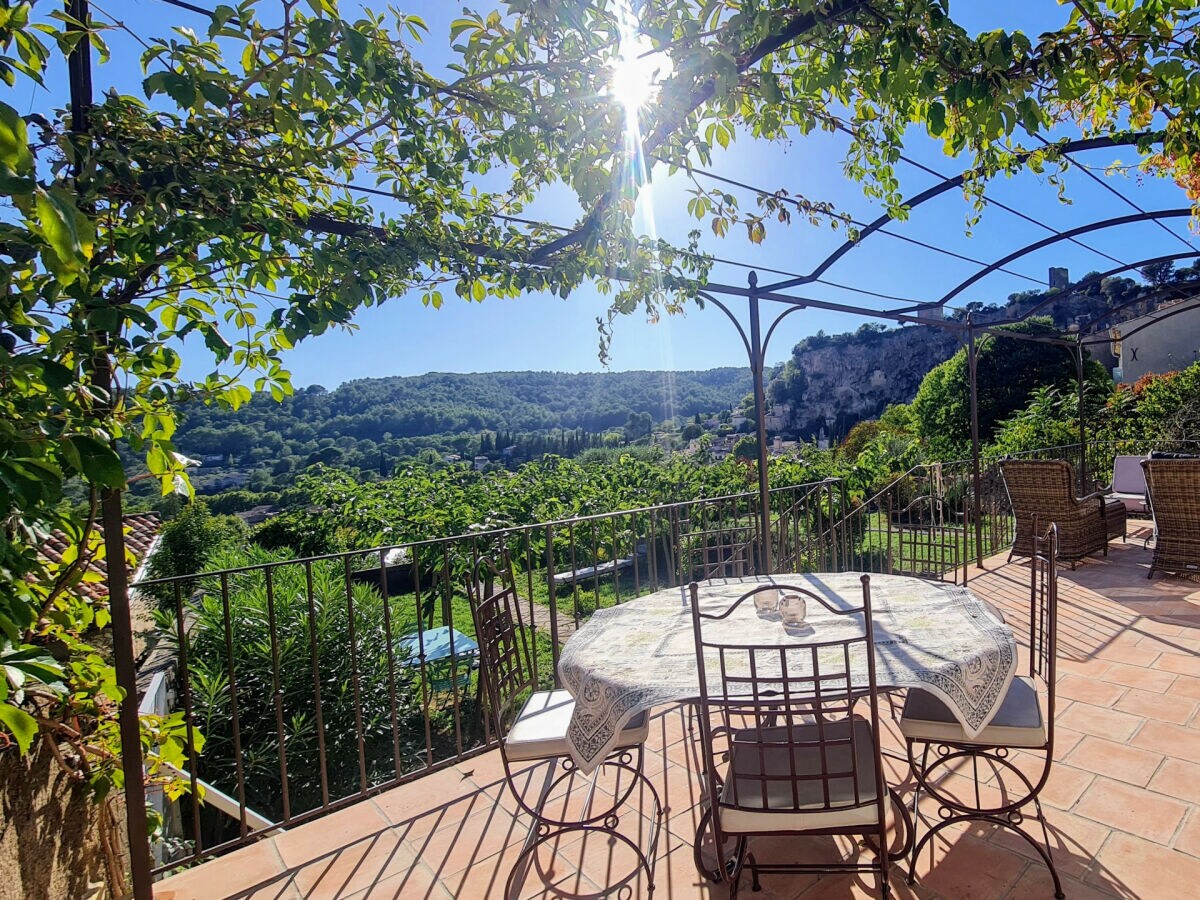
756, 352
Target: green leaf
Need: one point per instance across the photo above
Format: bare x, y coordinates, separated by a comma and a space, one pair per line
937, 118
66, 232
99, 463
20, 724
14, 142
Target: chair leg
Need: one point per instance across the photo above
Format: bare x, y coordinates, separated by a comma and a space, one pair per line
952, 812
629, 760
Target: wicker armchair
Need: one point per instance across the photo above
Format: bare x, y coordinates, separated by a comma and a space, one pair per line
1045, 489
1173, 486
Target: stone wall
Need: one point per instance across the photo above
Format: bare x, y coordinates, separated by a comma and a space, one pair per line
49, 845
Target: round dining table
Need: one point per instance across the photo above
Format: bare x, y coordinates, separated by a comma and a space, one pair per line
629, 658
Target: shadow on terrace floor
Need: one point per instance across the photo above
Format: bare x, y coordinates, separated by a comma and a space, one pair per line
1123, 802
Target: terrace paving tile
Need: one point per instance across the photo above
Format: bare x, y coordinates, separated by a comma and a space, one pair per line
1178, 778
1122, 803
1188, 839
1100, 721
1180, 664
1169, 707
298, 846
1117, 761
1066, 785
1124, 807
1180, 741
1140, 868
1089, 690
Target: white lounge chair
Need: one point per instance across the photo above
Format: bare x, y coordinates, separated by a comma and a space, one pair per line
1129, 484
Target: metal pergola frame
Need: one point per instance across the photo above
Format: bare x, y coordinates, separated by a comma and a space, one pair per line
781, 293
719, 295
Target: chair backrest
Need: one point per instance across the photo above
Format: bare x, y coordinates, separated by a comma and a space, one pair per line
768, 694
1128, 477
505, 657
1173, 486
1043, 613
1045, 487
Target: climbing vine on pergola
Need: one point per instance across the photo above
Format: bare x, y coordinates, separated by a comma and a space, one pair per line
290, 165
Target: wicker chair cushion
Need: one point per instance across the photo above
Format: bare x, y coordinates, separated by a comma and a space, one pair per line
540, 729
782, 812
1018, 723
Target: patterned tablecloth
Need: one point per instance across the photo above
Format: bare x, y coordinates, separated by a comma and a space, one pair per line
641, 654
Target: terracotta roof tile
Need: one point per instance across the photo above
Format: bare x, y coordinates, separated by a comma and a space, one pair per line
141, 531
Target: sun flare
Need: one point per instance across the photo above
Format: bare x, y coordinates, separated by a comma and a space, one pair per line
637, 72
634, 80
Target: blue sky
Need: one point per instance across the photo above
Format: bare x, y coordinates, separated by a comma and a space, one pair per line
544, 333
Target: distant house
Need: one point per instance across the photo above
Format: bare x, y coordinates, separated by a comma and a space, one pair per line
481, 463
257, 514
780, 446
1165, 340
721, 447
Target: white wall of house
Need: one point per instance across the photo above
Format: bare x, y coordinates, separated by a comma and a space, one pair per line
1165, 340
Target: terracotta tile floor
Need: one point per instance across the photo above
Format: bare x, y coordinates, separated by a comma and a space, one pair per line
1123, 802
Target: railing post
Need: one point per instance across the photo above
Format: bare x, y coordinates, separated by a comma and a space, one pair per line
977, 481
552, 598
887, 523
1083, 460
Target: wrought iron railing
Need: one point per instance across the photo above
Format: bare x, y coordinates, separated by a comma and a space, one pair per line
317, 682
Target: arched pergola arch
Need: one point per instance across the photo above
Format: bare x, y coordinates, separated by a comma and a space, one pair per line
782, 294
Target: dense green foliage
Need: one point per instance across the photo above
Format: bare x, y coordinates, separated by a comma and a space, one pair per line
188, 544
1008, 372
366, 426
1155, 411
363, 673
329, 511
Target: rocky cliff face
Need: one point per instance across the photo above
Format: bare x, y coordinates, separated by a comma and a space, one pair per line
851, 377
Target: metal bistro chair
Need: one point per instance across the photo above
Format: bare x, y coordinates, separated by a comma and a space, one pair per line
532, 727
793, 757
1020, 723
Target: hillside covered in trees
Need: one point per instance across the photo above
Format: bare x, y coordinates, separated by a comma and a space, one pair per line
371, 424
830, 383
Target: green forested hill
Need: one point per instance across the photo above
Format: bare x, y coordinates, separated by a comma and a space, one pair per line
371, 423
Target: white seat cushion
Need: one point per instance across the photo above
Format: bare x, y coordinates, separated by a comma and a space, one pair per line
782, 812
540, 729
1129, 483
1018, 723
1135, 503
